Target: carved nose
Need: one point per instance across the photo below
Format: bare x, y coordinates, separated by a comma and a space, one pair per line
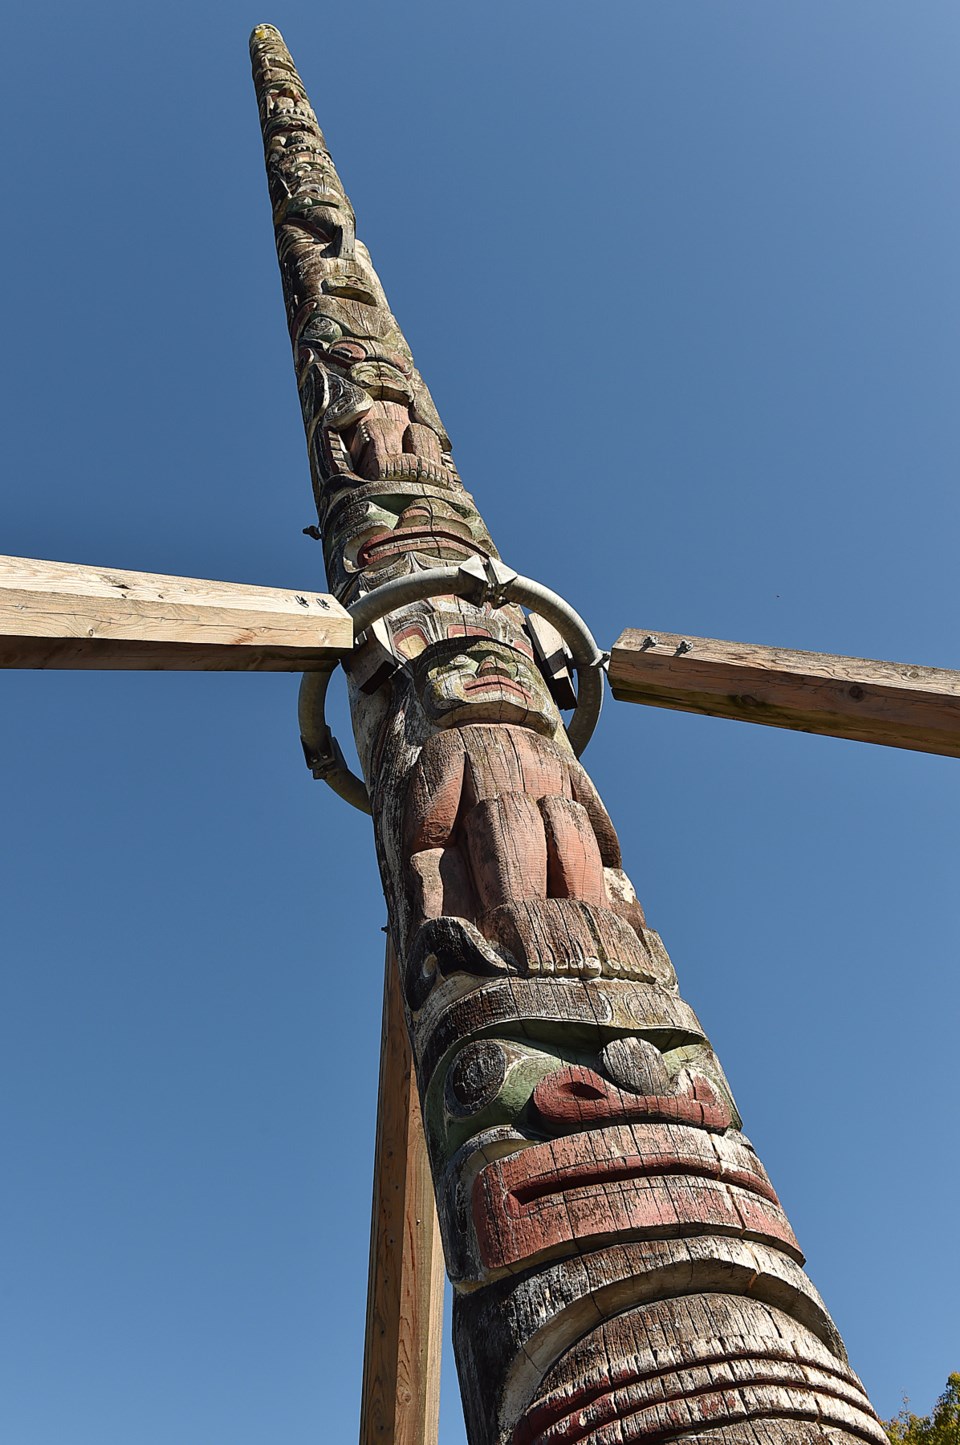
577, 1098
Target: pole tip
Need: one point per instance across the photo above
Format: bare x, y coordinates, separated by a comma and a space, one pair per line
264, 32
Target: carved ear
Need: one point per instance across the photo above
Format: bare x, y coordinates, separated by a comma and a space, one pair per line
444, 946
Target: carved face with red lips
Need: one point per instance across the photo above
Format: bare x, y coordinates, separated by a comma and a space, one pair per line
483, 681
442, 532
426, 526
386, 531
545, 1148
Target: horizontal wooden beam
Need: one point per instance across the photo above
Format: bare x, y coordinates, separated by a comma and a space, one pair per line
58, 614
893, 703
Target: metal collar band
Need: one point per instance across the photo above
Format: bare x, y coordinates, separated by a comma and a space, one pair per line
480, 581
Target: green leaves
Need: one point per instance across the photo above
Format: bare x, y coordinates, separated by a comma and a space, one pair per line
941, 1427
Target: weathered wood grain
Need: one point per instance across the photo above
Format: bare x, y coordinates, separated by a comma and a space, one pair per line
706, 1361
401, 1363
897, 704
61, 615
585, 1148
534, 1318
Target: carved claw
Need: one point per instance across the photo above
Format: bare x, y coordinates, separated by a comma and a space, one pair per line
449, 945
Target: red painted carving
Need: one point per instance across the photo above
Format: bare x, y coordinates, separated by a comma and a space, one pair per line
651, 1179
578, 1098
509, 821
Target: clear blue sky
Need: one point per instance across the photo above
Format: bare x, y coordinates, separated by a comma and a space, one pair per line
683, 279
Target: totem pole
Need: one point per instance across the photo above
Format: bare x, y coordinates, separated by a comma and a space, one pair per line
622, 1268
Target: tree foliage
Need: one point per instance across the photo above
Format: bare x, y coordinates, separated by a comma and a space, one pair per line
940, 1427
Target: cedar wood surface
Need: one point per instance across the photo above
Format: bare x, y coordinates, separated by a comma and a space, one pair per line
400, 1402
898, 704
59, 614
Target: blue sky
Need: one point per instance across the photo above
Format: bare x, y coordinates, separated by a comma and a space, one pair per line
683, 281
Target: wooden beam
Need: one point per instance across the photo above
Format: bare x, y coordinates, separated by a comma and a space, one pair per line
58, 614
401, 1361
894, 703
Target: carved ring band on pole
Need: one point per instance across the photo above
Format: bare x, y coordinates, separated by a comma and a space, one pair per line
479, 581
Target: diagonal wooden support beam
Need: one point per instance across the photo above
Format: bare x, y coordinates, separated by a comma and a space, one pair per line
894, 703
59, 614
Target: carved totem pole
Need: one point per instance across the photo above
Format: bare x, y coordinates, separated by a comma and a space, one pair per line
622, 1268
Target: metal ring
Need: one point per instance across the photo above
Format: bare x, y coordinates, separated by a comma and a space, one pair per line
320, 748
479, 580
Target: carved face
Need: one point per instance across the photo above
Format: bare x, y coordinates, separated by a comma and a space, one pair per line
316, 212
538, 1139
389, 529
483, 681
545, 1089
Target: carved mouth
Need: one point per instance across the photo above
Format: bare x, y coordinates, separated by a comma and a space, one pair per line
416, 539
651, 1181
497, 683
617, 1171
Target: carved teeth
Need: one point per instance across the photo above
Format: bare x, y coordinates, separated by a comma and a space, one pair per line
583, 968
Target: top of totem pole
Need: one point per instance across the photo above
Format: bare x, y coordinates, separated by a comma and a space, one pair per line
390, 502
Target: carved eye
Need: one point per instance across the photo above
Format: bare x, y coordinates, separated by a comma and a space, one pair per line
460, 663
321, 328
349, 351
475, 1079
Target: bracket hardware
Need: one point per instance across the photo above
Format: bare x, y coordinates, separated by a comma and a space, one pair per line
481, 580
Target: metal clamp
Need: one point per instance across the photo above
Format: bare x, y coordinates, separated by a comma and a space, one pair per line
481, 580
